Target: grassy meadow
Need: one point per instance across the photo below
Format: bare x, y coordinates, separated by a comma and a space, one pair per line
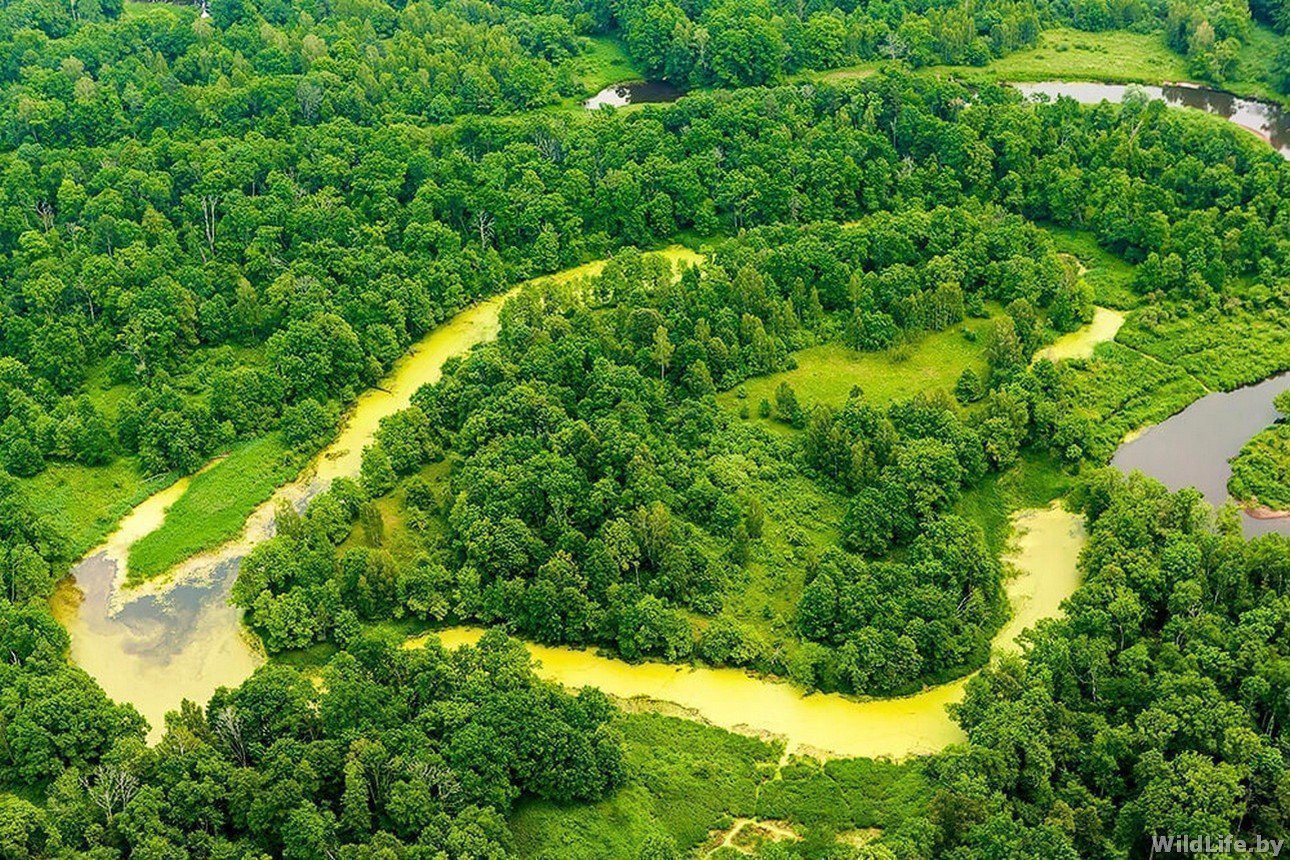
215, 505
1110, 277
86, 502
827, 373
690, 786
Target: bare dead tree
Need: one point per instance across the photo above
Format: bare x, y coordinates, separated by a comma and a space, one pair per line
209, 204
110, 788
549, 146
229, 729
45, 211
894, 47
484, 225
439, 778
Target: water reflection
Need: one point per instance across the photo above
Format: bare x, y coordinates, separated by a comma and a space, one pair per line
178, 637
1265, 119
165, 646
1194, 447
633, 93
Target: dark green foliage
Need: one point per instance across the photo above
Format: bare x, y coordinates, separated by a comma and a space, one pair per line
394, 748
1149, 709
753, 42
1261, 471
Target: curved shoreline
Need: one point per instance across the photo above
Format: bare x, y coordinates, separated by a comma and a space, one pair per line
176, 636
1044, 550
1263, 512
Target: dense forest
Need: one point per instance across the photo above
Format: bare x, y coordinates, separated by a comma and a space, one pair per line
1153, 708
217, 230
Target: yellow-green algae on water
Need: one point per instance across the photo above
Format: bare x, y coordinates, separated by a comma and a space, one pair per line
1044, 552
1081, 342
178, 637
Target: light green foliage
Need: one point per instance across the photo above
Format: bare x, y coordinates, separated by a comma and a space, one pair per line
1261, 471
85, 503
1071, 55
1110, 277
215, 506
687, 781
1223, 349
1120, 390
826, 374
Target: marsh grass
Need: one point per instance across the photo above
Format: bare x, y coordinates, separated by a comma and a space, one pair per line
86, 502
216, 505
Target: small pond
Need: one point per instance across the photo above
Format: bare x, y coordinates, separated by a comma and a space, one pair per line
1192, 449
1265, 119
633, 93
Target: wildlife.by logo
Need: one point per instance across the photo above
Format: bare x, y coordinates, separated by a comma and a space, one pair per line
1257, 846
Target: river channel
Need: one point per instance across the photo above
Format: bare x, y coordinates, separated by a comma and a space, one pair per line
1193, 448
1267, 120
178, 637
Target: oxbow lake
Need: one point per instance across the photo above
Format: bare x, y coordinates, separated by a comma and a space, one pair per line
1269, 121
1193, 448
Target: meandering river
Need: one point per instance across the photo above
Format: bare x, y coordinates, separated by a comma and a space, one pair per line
1044, 552
178, 637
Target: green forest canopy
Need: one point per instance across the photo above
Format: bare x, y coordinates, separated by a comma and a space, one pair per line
215, 230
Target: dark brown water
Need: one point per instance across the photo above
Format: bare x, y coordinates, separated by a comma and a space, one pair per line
1192, 449
1267, 120
633, 93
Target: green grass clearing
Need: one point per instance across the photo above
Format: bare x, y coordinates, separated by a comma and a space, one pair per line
1062, 54
689, 785
215, 505
1066, 54
85, 503
825, 374
605, 62
1033, 482
1110, 277
1255, 75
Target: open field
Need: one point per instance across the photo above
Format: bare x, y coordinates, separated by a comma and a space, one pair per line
1066, 54
826, 373
1062, 54
215, 506
85, 503
692, 786
1110, 277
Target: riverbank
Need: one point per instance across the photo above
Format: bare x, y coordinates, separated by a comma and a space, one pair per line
176, 636
1044, 553
1196, 447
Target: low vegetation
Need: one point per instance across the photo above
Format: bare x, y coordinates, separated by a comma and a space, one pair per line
827, 374
688, 783
1065, 54
215, 506
1261, 471
216, 229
